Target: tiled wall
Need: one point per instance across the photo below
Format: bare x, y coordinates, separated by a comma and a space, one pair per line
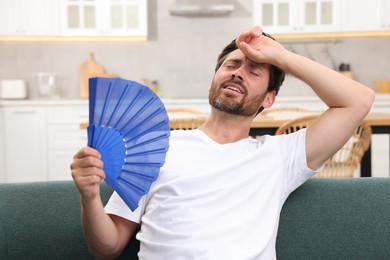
181, 54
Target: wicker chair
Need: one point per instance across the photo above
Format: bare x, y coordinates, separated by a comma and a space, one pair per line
185, 118
345, 162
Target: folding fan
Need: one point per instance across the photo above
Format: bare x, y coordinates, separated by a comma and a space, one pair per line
129, 126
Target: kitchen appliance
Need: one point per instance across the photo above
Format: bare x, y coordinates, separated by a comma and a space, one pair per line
46, 84
13, 89
201, 8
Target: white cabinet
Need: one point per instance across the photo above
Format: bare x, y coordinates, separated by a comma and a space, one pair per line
298, 16
385, 11
25, 143
39, 138
29, 18
104, 17
65, 138
2, 146
365, 15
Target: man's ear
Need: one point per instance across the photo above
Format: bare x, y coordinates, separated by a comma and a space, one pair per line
269, 99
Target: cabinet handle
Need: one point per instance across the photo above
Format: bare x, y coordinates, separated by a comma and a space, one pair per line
25, 111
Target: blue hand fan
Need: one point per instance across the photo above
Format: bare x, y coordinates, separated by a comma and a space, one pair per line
129, 126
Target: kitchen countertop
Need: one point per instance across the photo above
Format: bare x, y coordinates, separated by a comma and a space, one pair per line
40, 102
381, 104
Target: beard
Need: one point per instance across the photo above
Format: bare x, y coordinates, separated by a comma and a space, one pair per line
244, 107
228, 107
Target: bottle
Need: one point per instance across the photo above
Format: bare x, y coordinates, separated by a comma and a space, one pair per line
345, 69
154, 87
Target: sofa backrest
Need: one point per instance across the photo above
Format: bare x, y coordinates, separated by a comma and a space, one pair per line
323, 219
336, 219
41, 220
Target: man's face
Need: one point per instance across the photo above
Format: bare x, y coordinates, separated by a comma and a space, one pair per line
239, 86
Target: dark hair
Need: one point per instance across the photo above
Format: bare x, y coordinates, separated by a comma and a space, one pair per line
276, 75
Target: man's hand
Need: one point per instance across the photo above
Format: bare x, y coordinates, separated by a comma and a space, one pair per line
87, 172
258, 47
106, 235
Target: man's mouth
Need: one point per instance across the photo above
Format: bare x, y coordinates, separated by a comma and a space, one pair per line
234, 87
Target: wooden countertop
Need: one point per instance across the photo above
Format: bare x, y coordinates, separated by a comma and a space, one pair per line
378, 119
373, 119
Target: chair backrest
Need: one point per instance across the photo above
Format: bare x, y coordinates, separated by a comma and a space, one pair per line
185, 118
289, 112
183, 110
345, 162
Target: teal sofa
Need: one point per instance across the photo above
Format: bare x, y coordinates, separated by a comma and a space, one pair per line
323, 219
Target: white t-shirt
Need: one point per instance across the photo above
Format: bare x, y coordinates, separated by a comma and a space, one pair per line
218, 201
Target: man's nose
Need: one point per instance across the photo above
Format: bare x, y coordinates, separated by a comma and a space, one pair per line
237, 75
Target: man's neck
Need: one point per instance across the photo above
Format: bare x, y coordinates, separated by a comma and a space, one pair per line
226, 128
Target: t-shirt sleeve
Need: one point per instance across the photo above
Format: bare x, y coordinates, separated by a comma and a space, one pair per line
116, 206
294, 153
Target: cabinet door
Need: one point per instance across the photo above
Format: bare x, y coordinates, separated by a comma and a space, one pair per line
365, 15
125, 17
275, 16
8, 24
25, 144
29, 18
299, 16
355, 11
65, 138
40, 17
59, 162
79, 17
385, 15
2, 146
317, 16
104, 17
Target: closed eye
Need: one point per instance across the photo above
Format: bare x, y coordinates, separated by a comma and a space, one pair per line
255, 69
232, 64
255, 72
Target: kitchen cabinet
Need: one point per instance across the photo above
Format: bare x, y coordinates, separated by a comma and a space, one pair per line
2, 146
104, 17
24, 143
29, 18
65, 137
365, 15
298, 16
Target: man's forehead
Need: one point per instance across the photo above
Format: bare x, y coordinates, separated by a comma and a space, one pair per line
238, 55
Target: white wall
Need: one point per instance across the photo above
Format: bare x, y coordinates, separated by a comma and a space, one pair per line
181, 54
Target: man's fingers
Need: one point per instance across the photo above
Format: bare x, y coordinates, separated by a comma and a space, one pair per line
87, 151
248, 51
88, 161
256, 31
248, 35
94, 173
